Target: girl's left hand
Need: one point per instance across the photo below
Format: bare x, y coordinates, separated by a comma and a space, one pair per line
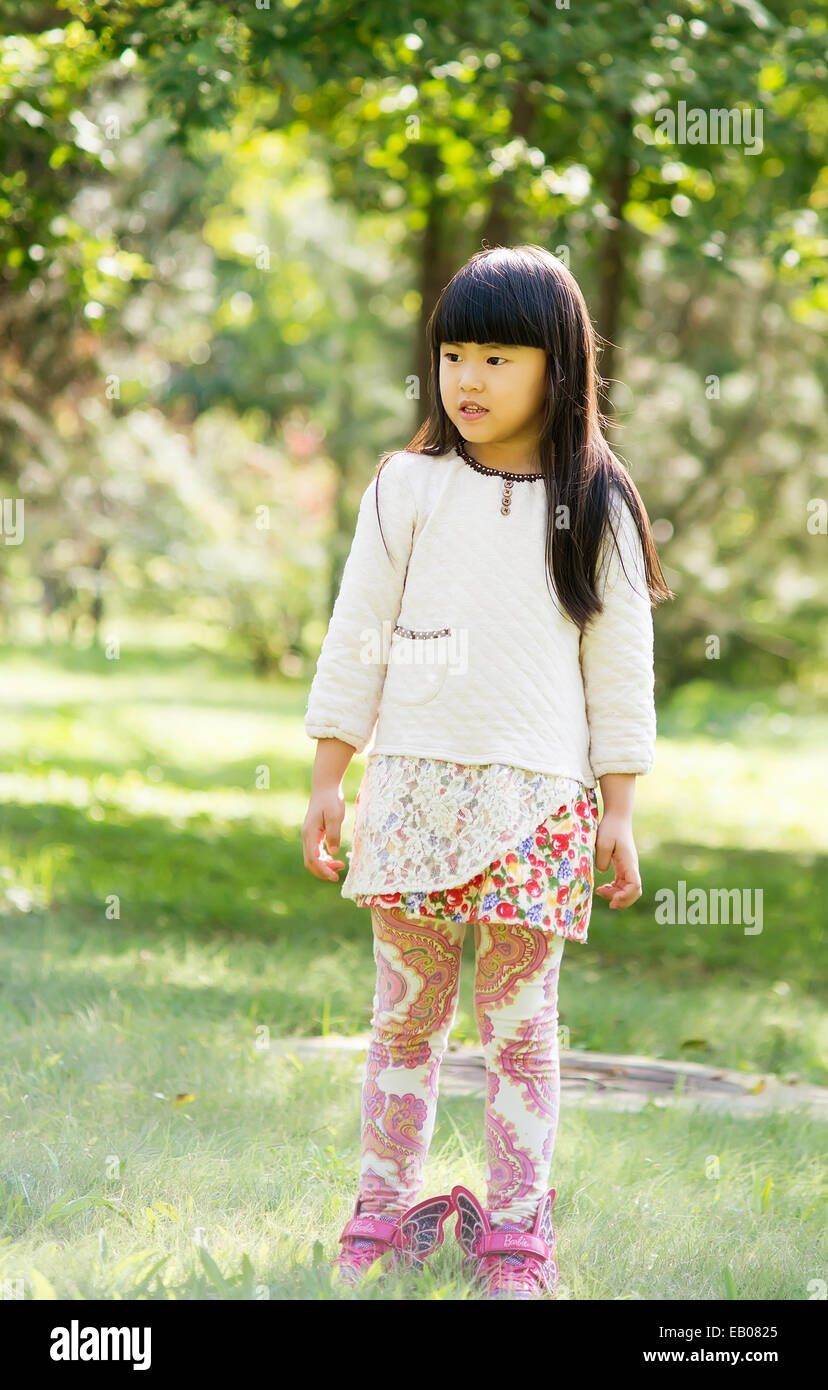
614, 844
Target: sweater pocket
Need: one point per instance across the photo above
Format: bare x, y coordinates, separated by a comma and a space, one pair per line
417, 664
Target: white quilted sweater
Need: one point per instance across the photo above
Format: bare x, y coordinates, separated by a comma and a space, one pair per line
496, 671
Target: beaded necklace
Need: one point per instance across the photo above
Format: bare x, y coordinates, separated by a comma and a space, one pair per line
509, 479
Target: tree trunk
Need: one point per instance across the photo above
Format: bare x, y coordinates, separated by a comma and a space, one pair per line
500, 222
438, 262
97, 606
612, 256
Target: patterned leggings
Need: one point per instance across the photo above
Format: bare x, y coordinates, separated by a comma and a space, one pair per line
516, 1008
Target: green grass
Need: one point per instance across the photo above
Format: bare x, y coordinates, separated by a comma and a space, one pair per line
157, 921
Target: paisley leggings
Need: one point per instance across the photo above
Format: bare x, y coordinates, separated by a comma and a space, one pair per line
516, 1009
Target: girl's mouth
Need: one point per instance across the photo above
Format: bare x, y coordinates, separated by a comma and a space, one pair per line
470, 412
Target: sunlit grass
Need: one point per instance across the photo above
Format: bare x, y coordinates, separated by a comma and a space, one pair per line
158, 927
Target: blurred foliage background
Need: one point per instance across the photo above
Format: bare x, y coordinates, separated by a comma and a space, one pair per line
222, 228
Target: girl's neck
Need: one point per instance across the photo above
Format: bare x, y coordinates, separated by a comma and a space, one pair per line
504, 458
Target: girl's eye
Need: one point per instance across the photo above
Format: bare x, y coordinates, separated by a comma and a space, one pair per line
488, 359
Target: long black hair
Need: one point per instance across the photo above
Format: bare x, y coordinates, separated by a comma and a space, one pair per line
523, 295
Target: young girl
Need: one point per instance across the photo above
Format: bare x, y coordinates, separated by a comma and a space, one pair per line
493, 629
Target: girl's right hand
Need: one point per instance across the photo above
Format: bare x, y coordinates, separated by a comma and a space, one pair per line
326, 812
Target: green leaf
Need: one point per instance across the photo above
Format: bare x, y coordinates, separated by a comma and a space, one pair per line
247, 1277
143, 1285
65, 1207
212, 1270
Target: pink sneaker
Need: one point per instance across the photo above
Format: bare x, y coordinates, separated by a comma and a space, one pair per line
412, 1237
510, 1262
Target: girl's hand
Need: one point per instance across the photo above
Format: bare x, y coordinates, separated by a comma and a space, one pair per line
326, 813
614, 842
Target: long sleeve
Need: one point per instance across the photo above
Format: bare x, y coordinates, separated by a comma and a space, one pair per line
616, 653
345, 692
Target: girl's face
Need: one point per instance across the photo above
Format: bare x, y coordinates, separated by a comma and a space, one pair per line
507, 382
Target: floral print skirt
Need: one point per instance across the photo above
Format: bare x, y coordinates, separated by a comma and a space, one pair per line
547, 880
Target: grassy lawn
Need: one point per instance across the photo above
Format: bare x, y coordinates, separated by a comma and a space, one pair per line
158, 922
